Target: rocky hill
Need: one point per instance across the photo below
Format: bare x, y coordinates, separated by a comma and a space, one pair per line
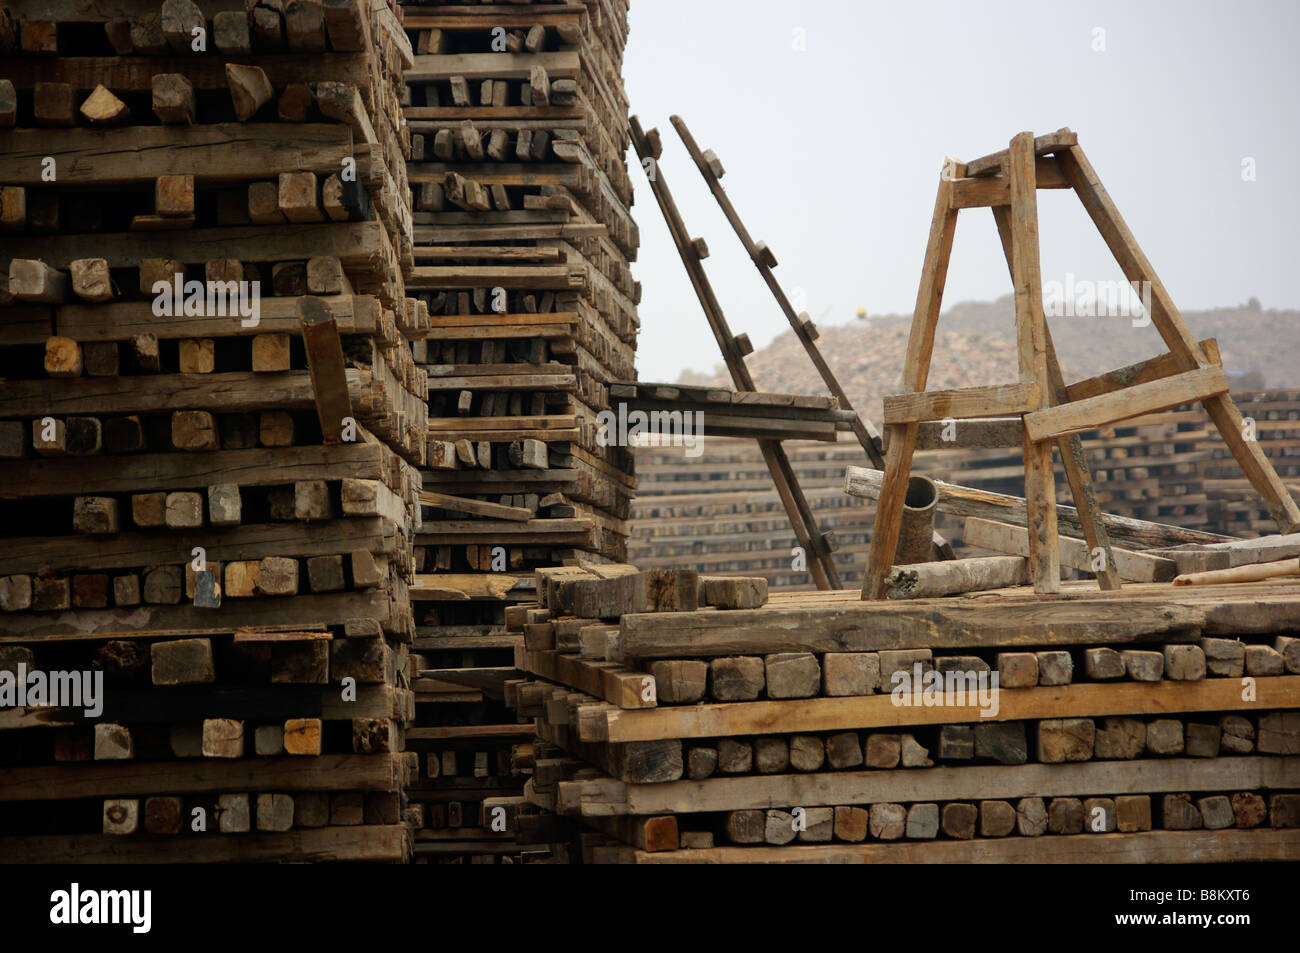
976, 345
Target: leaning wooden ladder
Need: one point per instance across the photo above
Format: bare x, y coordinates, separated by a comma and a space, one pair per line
764, 260
818, 546
734, 348
1007, 182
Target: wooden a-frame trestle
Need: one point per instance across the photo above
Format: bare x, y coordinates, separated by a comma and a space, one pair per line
1050, 411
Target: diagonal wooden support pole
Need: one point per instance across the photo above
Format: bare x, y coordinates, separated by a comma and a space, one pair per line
320, 336
1073, 458
765, 261
818, 546
1182, 345
1031, 345
916, 371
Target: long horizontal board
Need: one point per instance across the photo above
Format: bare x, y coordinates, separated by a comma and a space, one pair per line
464, 732
223, 152
491, 116
942, 783
508, 382
962, 403
504, 528
1051, 142
504, 425
29, 627
1080, 700
522, 319
510, 17
387, 843
514, 277
483, 585
122, 320
99, 11
424, 234
330, 772
129, 706
935, 624
129, 473
1132, 565
135, 73
1153, 396
501, 481
232, 392
1151, 847
355, 244
498, 173
485, 253
171, 546
1140, 373
434, 68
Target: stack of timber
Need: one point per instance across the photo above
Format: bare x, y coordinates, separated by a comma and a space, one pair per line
523, 240
676, 413
211, 423
716, 512
1145, 725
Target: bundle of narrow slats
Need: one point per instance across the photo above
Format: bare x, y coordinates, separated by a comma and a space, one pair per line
211, 422
523, 242
821, 728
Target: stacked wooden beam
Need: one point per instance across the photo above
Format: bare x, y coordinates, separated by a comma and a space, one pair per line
210, 428
678, 413
523, 243
716, 512
788, 733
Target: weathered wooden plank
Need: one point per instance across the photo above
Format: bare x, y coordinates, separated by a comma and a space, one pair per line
1084, 699
221, 152
254, 541
355, 244
65, 476
1075, 553
330, 772
942, 783
1031, 348
460, 504
122, 320
1149, 847
135, 73
434, 68
369, 843
962, 403
375, 604
922, 624
1042, 145
1142, 372
234, 392
1093, 412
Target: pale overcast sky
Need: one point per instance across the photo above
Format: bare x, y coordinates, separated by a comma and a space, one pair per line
832, 154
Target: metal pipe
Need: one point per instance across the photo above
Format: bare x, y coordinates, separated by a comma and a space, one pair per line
916, 535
